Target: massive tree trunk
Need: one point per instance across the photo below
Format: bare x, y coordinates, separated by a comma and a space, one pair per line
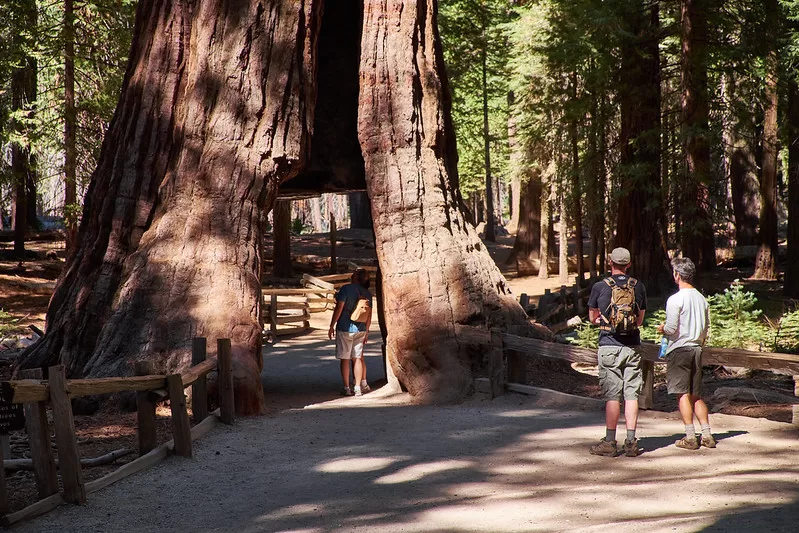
697, 228
516, 162
766, 260
791, 285
490, 231
638, 226
436, 272
216, 110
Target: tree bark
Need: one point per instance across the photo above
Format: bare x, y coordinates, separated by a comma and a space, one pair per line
697, 228
546, 229
436, 272
216, 110
516, 161
791, 284
527, 245
70, 153
576, 190
23, 96
639, 205
766, 260
563, 240
281, 243
360, 211
490, 228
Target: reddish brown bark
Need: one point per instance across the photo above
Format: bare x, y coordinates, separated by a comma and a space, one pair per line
638, 226
697, 223
281, 243
436, 272
527, 245
766, 259
791, 285
215, 111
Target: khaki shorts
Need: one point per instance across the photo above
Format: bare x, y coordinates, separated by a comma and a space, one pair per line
684, 371
349, 345
619, 372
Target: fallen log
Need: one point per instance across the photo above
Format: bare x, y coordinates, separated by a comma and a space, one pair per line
14, 465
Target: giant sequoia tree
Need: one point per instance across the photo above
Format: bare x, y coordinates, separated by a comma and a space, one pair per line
218, 108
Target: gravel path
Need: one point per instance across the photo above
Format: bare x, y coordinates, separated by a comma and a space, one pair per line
378, 464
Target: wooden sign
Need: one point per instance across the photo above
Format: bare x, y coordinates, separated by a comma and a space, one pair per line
12, 417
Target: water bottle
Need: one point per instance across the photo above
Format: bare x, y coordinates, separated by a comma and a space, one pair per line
664, 343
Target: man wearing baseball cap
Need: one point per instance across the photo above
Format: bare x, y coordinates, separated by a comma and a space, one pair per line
618, 304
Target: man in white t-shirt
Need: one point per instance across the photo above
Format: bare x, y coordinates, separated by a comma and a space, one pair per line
686, 328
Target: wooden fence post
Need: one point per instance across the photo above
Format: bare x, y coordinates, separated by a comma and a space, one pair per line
181, 429
199, 389
225, 381
273, 317
146, 427
496, 367
68, 457
795, 417
333, 263
44, 470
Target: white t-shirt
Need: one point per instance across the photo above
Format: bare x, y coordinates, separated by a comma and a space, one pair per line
687, 319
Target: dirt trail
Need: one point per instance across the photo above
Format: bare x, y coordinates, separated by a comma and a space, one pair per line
379, 464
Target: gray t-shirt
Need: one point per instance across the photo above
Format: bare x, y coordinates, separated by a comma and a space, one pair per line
349, 294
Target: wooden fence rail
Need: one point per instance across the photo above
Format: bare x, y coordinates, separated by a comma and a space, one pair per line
35, 394
517, 348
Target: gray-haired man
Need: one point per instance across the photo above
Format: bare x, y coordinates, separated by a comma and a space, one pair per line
686, 327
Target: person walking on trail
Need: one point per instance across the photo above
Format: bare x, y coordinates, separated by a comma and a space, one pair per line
686, 328
618, 304
350, 327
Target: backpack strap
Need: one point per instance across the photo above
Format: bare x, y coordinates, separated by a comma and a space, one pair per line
610, 282
632, 282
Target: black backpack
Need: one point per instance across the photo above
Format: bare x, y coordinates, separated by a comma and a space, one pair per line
622, 313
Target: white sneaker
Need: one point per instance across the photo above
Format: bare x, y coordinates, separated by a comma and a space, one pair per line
357, 391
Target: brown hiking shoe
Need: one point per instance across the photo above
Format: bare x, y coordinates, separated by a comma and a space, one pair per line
708, 442
631, 448
604, 448
687, 444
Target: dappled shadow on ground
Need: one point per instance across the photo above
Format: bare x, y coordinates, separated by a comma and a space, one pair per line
654, 443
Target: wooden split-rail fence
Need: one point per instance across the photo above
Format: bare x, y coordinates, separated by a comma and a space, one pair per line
36, 394
509, 354
288, 311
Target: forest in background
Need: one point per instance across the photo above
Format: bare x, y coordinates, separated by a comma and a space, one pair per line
661, 126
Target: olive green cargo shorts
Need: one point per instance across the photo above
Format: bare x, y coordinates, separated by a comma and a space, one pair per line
620, 372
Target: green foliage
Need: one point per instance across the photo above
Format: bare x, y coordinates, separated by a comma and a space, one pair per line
8, 324
587, 336
298, 227
652, 320
786, 333
734, 319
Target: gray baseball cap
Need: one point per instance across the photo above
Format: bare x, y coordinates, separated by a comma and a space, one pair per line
620, 256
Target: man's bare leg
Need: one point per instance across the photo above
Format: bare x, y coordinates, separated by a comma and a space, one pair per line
345, 372
631, 414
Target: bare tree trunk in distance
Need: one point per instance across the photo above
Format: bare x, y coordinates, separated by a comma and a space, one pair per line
638, 227
360, 211
216, 110
436, 272
563, 239
316, 214
70, 152
766, 260
281, 243
546, 227
697, 235
576, 191
23, 94
791, 286
516, 161
527, 244
490, 231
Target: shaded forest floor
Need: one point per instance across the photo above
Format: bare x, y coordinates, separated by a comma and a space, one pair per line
25, 289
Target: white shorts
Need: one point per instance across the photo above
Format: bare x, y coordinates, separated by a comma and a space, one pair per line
349, 345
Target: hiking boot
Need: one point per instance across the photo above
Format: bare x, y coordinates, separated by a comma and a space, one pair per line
604, 448
365, 388
346, 392
631, 448
687, 444
708, 442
